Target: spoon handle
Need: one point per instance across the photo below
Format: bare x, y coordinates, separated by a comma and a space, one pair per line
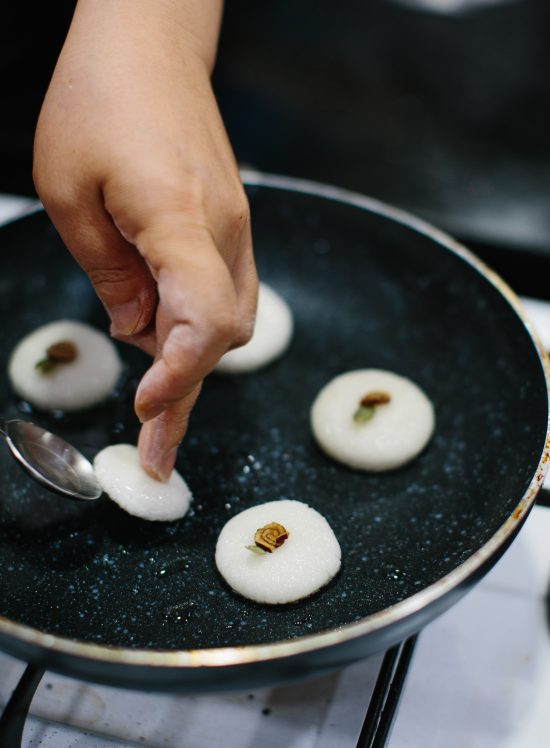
3, 426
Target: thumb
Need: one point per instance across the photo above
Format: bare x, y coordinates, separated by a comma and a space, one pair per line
197, 320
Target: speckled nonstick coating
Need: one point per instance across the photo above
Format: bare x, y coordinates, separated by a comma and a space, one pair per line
366, 291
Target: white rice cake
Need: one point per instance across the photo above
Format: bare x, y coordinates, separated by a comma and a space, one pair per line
70, 386
272, 334
121, 476
396, 433
304, 563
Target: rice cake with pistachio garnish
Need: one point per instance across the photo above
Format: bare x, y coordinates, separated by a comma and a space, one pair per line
372, 419
64, 365
278, 552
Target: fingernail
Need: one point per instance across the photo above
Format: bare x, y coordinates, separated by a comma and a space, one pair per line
125, 317
161, 466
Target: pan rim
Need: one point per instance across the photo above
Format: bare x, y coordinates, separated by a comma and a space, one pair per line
215, 657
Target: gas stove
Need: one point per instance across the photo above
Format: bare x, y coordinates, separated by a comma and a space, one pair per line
478, 676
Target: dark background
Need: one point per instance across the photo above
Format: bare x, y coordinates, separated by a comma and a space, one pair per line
446, 115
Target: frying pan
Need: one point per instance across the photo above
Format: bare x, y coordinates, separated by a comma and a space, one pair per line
92, 592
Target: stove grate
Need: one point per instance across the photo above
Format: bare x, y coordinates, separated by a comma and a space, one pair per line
374, 734
14, 716
386, 695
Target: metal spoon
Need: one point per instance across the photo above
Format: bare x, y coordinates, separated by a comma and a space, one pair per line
50, 460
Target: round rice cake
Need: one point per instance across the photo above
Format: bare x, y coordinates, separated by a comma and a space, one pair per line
69, 383
121, 476
372, 419
306, 561
271, 337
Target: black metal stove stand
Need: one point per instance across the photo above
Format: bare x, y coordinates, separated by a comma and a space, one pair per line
386, 695
374, 734
14, 716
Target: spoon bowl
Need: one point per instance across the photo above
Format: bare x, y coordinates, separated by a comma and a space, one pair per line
51, 461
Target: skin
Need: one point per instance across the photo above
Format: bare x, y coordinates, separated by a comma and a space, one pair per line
133, 165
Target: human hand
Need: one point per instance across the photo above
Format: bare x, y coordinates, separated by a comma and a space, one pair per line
134, 167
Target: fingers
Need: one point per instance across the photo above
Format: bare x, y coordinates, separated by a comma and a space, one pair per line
201, 314
117, 271
159, 438
198, 316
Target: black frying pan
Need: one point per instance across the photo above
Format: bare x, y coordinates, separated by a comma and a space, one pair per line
92, 592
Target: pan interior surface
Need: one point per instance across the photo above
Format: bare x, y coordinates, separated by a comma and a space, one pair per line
365, 291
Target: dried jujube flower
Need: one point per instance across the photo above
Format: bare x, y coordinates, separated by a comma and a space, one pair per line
271, 536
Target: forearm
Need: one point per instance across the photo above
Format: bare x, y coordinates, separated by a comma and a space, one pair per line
190, 25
